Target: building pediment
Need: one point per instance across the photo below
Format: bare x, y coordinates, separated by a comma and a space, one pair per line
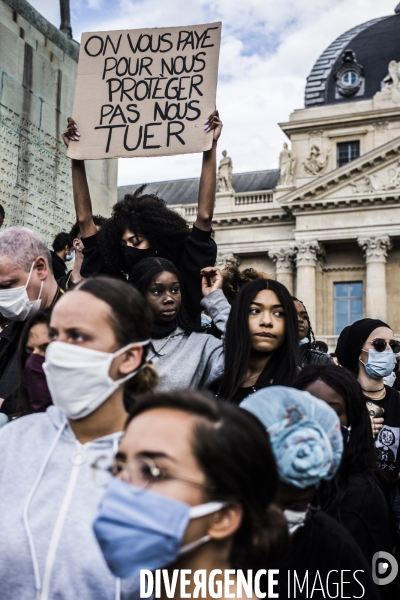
372, 178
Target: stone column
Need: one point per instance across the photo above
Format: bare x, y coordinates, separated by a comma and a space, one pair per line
308, 254
283, 259
375, 251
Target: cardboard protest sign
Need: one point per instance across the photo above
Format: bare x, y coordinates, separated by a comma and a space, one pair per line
145, 92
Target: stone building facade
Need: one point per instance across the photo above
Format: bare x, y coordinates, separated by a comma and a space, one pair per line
38, 65
327, 222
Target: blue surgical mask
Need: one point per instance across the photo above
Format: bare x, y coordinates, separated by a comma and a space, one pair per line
140, 529
380, 364
304, 341
70, 256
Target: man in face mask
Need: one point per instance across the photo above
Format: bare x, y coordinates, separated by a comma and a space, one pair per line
27, 285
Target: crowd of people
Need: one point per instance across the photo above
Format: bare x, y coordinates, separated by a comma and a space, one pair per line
156, 412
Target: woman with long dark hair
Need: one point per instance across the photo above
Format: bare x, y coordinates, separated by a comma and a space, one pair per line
355, 496
201, 476
142, 226
184, 357
261, 344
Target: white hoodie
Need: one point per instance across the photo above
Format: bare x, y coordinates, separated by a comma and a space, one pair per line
48, 502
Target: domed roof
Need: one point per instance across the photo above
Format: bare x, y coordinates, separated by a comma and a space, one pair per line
354, 66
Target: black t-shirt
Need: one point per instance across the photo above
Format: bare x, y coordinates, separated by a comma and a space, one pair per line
198, 251
320, 546
387, 441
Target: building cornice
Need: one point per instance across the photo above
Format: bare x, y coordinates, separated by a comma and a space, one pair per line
345, 234
243, 221
23, 8
356, 119
343, 175
337, 269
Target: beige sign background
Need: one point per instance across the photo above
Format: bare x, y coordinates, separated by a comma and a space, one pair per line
145, 92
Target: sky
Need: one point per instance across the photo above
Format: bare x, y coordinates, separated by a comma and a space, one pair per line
268, 48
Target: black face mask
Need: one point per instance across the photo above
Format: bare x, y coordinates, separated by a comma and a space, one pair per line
131, 256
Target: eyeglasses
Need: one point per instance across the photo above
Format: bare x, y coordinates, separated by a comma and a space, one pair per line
141, 472
380, 345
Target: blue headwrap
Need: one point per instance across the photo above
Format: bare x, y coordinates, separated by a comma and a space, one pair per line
304, 432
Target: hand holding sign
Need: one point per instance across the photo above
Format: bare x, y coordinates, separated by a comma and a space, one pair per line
213, 123
146, 92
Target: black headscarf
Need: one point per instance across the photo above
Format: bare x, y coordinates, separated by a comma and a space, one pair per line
352, 339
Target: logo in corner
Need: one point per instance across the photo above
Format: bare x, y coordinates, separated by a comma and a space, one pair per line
384, 568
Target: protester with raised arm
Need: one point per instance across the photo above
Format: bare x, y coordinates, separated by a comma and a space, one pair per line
141, 226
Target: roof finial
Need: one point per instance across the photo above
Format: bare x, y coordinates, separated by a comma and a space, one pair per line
397, 9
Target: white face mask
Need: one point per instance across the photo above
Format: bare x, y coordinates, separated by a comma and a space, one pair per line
390, 379
78, 377
195, 512
15, 303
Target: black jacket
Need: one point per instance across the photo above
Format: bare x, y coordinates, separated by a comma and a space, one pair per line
199, 251
309, 356
59, 268
9, 339
320, 546
9, 368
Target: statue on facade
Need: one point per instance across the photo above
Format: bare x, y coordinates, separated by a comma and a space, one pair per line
394, 178
224, 174
316, 163
392, 81
373, 183
287, 162
363, 186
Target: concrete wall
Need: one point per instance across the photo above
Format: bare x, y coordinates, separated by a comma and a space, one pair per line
38, 67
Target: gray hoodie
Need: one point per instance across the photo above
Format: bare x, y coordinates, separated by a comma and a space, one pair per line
197, 360
48, 502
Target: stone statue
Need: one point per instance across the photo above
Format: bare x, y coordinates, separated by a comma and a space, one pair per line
224, 174
316, 163
373, 183
394, 178
287, 162
392, 81
363, 186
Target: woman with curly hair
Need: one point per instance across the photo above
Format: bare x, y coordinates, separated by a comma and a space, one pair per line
142, 226
234, 280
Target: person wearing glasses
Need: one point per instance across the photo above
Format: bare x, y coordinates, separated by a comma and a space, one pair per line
192, 489
96, 359
368, 349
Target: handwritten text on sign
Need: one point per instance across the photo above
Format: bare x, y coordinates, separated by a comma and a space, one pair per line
145, 92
